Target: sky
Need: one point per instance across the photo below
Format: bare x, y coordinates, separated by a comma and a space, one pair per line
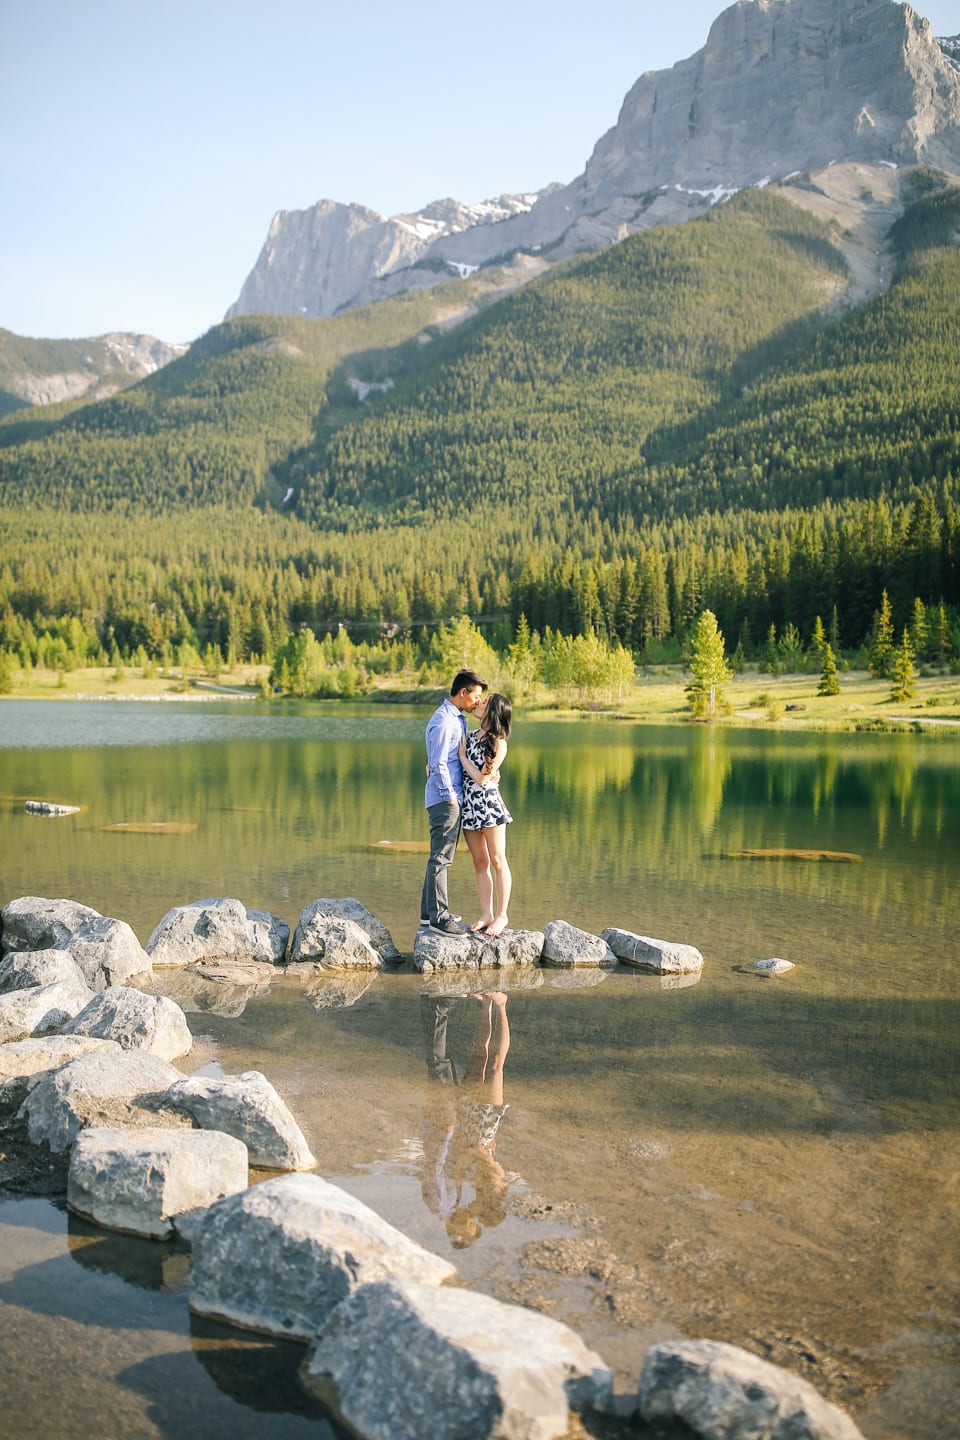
146, 147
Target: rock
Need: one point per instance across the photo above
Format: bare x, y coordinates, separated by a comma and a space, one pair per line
34, 923
40, 1009
723, 1393
108, 952
336, 943
106, 1086
564, 944
773, 966
23, 968
278, 1257
213, 989
475, 952
138, 1180
665, 957
337, 992
309, 942
217, 930
481, 1368
248, 1107
23, 1058
46, 807
135, 1021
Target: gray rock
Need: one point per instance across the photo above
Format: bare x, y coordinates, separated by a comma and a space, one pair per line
35, 923
24, 968
665, 957
135, 1021
40, 1009
723, 1393
248, 1107
23, 1058
138, 1180
773, 966
278, 1257
309, 938
47, 807
564, 944
335, 943
217, 930
107, 1086
481, 1368
108, 952
475, 952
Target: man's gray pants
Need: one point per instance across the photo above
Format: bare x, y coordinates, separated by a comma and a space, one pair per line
444, 834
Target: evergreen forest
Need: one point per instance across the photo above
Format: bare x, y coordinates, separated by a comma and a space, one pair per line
695, 418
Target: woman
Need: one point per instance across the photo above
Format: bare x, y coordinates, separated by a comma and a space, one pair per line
485, 817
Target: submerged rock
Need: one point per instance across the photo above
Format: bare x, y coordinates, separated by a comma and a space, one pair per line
724, 1393
773, 966
280, 1256
217, 930
138, 1181
249, 1108
48, 807
482, 1368
432, 951
664, 957
310, 937
564, 944
40, 1009
135, 1021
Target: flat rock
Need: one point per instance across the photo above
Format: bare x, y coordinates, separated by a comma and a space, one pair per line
136, 1021
40, 1009
309, 937
106, 1086
35, 923
482, 1368
137, 1181
108, 952
249, 1108
217, 930
564, 944
724, 1393
280, 1256
773, 966
23, 968
476, 952
23, 1058
48, 807
664, 957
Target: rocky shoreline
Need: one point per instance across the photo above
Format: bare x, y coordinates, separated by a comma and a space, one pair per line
91, 1101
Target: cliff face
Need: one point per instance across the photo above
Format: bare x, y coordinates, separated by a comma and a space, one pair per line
781, 86
42, 372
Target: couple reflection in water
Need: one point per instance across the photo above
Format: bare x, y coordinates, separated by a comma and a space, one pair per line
463, 1182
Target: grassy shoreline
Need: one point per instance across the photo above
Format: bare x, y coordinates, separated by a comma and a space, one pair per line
754, 700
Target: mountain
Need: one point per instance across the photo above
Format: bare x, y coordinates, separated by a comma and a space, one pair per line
44, 372
781, 90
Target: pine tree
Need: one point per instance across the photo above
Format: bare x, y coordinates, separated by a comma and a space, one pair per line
829, 679
708, 666
880, 661
904, 674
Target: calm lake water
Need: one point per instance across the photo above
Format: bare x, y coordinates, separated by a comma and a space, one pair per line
768, 1162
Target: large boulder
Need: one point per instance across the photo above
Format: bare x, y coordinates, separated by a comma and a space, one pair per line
280, 1256
23, 968
310, 937
217, 930
336, 943
40, 1009
432, 951
482, 1368
35, 923
23, 1058
108, 952
135, 1021
107, 1086
137, 1181
723, 1393
248, 1107
664, 957
564, 944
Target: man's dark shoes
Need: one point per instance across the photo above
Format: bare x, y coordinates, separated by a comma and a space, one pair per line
446, 927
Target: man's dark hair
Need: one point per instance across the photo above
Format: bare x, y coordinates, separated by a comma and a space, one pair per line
465, 680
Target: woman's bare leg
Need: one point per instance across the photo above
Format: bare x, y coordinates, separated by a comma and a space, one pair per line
481, 873
495, 839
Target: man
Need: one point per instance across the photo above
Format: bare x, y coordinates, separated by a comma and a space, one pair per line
444, 797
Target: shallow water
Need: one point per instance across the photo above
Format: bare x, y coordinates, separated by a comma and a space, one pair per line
768, 1162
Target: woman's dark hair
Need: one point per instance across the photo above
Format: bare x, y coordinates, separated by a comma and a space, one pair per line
496, 721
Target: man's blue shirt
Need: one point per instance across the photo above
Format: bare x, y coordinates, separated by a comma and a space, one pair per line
445, 774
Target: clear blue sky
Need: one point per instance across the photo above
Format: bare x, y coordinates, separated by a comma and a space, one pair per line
146, 147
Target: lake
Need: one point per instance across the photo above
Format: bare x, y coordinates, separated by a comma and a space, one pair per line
771, 1162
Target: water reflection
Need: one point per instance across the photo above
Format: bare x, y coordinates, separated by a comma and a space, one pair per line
462, 1180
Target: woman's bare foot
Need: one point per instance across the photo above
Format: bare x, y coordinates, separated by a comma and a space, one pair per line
497, 927
479, 926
